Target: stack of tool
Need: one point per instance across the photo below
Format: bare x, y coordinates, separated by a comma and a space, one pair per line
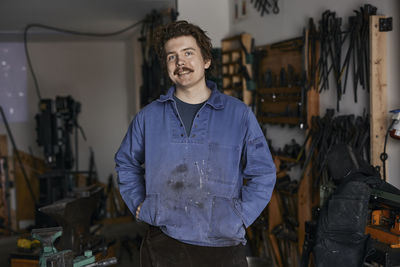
273, 236
333, 38
266, 7
281, 100
281, 83
290, 156
329, 131
237, 67
286, 232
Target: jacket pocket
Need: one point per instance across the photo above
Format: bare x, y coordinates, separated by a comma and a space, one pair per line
225, 220
355, 209
223, 161
149, 210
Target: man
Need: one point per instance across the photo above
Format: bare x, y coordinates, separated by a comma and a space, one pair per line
197, 146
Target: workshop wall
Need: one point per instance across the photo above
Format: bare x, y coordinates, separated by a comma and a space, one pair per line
94, 73
99, 74
134, 75
289, 23
212, 16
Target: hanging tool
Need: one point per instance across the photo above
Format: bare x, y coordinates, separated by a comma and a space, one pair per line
275, 8
332, 39
264, 6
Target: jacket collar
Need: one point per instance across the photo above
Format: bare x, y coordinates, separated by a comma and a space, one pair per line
215, 99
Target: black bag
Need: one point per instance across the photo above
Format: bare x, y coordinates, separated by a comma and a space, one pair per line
340, 238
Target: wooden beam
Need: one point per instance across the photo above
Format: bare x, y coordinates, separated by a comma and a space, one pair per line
305, 200
275, 217
247, 95
279, 120
231, 53
279, 90
3, 145
378, 91
34, 166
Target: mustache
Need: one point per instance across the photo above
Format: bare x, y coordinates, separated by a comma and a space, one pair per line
177, 70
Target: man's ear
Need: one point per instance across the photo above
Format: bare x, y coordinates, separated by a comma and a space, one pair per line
207, 63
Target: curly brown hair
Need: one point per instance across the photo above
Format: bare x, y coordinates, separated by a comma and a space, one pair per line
181, 28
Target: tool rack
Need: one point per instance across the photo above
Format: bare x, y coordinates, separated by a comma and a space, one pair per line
287, 97
306, 200
235, 56
280, 95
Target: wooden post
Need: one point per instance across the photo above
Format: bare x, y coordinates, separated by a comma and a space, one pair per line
378, 91
232, 51
3, 145
247, 95
305, 200
275, 217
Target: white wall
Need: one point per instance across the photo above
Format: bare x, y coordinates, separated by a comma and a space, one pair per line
210, 15
393, 38
289, 23
135, 73
98, 74
105, 76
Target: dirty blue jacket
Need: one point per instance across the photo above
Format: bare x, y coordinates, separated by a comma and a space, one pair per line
192, 186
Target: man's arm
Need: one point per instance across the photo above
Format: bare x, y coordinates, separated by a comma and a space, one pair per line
129, 159
260, 171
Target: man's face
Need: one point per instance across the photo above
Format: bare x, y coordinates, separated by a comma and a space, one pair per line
185, 64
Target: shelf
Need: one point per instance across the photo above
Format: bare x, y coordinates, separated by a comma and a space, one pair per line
233, 89
280, 120
279, 107
279, 90
232, 75
230, 63
230, 51
279, 98
233, 58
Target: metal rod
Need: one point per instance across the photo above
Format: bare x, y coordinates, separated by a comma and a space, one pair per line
28, 184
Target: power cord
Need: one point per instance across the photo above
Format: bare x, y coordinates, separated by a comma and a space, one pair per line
68, 32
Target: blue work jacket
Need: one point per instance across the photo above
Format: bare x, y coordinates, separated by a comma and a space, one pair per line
192, 186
